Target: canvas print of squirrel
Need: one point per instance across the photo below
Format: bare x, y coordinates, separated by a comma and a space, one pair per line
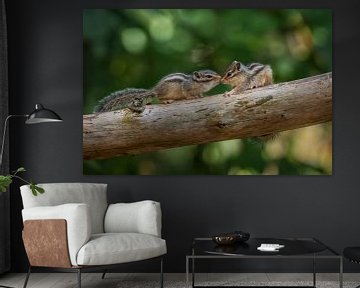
179, 86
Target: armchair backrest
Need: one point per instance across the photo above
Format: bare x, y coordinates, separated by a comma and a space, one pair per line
92, 194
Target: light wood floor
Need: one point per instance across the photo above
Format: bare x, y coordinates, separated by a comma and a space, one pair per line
91, 280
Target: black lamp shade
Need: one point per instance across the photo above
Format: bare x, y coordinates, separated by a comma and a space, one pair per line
42, 115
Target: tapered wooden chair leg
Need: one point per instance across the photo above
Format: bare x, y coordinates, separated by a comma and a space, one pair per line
79, 278
27, 277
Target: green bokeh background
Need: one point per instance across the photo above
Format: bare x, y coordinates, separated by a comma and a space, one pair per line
135, 48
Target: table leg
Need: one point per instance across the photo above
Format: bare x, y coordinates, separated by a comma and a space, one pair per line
187, 271
193, 272
341, 273
314, 271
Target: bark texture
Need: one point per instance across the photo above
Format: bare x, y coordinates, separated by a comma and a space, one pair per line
256, 112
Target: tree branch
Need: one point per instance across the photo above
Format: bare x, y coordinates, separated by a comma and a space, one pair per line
257, 112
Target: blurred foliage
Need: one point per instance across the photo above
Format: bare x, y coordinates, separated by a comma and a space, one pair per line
135, 48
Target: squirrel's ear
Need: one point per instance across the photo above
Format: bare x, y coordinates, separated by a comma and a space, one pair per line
237, 65
196, 74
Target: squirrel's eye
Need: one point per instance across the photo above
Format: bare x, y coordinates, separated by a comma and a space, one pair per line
208, 76
228, 74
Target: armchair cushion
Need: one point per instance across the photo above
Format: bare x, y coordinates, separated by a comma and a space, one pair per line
93, 194
113, 248
138, 217
78, 221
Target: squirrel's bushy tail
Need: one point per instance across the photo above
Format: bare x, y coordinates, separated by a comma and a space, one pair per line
122, 99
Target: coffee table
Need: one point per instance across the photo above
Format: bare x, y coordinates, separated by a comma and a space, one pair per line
294, 248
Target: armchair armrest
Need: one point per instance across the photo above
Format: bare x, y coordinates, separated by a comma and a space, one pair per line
78, 223
138, 217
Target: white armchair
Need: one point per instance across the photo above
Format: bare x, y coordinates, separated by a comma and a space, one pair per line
72, 228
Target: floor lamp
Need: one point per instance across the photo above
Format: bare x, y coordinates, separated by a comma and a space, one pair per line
39, 115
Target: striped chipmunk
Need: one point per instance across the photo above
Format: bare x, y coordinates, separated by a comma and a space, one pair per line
243, 77
173, 87
178, 86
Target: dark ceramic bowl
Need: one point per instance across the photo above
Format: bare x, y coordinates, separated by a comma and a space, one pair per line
231, 238
225, 239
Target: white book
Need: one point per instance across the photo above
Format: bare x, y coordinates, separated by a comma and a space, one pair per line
270, 247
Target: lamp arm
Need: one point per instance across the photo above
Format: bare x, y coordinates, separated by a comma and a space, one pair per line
4, 134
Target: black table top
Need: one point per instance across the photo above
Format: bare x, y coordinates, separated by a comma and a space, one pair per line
205, 246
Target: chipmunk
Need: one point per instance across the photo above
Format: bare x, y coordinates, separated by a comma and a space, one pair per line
133, 98
170, 88
243, 77
179, 86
